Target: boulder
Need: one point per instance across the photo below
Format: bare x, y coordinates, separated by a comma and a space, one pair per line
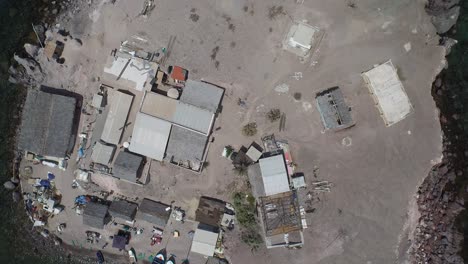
16, 196
9, 185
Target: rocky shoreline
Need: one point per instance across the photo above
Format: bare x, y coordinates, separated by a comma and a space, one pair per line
440, 198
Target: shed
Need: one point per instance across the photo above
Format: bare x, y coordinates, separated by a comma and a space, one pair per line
102, 153
298, 181
301, 35
253, 153
274, 174
150, 136
154, 212
204, 242
97, 101
333, 110
95, 215
130, 72
186, 147
127, 166
203, 95
119, 242
256, 180
388, 93
47, 124
123, 209
117, 116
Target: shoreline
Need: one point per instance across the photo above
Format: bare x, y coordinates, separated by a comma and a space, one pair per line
437, 237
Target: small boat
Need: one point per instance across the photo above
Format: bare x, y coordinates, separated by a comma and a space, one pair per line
171, 260
160, 257
100, 257
132, 255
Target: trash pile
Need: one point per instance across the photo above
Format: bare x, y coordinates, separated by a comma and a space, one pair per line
43, 201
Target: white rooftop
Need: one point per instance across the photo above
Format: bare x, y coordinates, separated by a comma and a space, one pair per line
150, 136
274, 175
301, 35
253, 153
102, 153
136, 71
118, 111
388, 92
204, 242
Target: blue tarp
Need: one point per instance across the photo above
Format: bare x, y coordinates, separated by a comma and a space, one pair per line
80, 153
50, 176
81, 200
45, 184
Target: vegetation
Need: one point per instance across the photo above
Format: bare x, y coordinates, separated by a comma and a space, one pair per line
241, 169
250, 129
245, 213
274, 115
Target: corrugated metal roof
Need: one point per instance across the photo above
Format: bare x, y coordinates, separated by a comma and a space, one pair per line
150, 136
185, 145
119, 108
154, 212
123, 209
203, 95
102, 153
47, 123
94, 215
159, 106
274, 175
193, 117
204, 242
127, 166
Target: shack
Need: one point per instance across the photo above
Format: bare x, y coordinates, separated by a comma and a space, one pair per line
121, 209
335, 114
47, 124
95, 215
204, 241
154, 212
128, 166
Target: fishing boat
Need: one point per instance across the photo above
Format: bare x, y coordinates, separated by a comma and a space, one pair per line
160, 257
171, 260
100, 257
132, 256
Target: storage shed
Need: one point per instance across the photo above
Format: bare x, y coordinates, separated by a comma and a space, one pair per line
154, 212
123, 210
95, 215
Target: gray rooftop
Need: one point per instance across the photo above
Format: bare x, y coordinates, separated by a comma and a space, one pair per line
47, 124
153, 212
256, 180
193, 117
203, 95
123, 209
185, 145
333, 109
102, 153
127, 166
94, 215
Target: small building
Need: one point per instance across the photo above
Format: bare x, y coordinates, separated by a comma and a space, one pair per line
128, 166
388, 93
254, 153
150, 136
210, 211
124, 210
154, 212
204, 241
186, 148
281, 219
95, 215
47, 124
301, 38
119, 242
298, 180
125, 70
102, 153
335, 114
274, 174
119, 109
203, 95
54, 49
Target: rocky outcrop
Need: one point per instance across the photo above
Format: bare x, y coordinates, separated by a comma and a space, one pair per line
436, 239
27, 72
444, 14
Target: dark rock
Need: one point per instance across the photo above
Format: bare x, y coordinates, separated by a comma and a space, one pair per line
16, 196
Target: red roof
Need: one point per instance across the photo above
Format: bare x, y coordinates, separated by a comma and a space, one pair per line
178, 73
